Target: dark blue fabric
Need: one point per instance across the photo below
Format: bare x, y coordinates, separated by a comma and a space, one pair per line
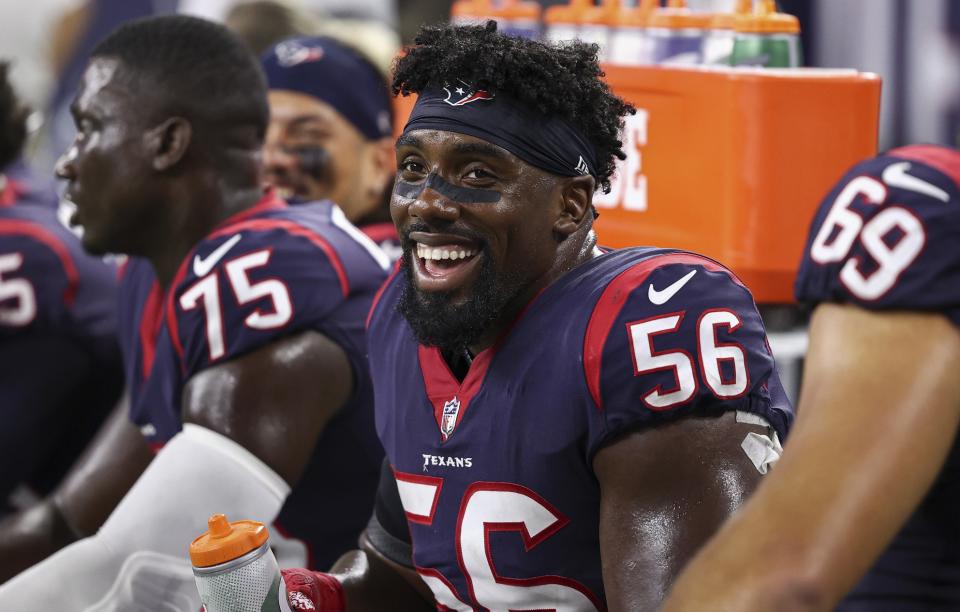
327, 70
549, 143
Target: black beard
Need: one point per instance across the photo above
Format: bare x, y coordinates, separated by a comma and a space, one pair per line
435, 321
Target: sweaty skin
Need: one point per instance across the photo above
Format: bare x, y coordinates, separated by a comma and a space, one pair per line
464, 195
141, 187
355, 172
665, 490
878, 413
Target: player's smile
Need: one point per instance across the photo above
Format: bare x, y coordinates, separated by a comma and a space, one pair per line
442, 262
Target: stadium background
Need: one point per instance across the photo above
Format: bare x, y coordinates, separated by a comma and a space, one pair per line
914, 47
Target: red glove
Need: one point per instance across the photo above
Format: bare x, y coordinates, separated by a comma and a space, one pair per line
313, 591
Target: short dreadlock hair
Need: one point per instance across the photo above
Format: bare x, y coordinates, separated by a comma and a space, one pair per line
562, 80
13, 120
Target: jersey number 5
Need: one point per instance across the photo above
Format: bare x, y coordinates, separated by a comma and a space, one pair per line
18, 289
206, 291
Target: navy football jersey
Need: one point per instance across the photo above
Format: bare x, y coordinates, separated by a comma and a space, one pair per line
60, 372
495, 473
887, 237
386, 237
266, 273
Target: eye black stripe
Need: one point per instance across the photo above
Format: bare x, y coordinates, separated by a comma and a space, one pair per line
462, 195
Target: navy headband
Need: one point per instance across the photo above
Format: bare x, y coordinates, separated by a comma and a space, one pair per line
333, 73
549, 143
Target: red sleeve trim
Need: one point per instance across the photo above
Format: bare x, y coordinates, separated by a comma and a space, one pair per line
607, 309
383, 287
380, 232
150, 319
9, 191
172, 326
943, 159
290, 227
296, 230
55, 244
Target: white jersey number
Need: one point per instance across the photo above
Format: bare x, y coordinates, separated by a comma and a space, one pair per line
711, 354
487, 507
842, 226
23, 309
206, 292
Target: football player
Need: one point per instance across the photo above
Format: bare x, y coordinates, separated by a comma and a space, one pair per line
241, 325
870, 483
60, 370
331, 132
557, 418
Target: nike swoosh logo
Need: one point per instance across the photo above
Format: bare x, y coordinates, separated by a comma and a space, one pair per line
896, 175
202, 266
663, 295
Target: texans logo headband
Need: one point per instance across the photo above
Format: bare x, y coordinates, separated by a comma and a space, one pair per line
549, 143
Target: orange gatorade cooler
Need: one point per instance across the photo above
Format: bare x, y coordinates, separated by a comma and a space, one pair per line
235, 569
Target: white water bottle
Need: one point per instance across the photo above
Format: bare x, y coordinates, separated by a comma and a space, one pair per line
235, 569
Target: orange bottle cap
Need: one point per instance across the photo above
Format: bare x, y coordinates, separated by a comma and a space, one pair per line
676, 16
226, 541
727, 21
470, 8
567, 13
512, 9
637, 16
766, 20
606, 13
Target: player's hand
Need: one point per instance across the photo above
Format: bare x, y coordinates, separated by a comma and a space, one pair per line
316, 591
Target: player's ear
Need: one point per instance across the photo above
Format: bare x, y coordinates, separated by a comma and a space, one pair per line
168, 142
576, 198
385, 162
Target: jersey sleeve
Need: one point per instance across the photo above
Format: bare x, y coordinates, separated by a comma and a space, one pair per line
38, 280
674, 336
241, 291
387, 529
887, 236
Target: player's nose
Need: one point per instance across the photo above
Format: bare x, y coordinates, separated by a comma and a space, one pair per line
277, 160
431, 205
65, 167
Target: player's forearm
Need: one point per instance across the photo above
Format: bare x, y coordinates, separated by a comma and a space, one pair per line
30, 536
864, 452
371, 584
749, 570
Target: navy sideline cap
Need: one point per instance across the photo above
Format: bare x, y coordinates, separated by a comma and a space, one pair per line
336, 74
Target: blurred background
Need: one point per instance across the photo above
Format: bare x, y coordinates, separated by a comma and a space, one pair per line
914, 46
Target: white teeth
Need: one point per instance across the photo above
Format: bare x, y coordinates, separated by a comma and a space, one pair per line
438, 253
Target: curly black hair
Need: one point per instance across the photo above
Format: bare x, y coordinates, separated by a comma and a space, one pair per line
557, 79
13, 120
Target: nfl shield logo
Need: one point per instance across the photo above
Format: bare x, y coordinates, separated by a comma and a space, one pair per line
462, 93
449, 420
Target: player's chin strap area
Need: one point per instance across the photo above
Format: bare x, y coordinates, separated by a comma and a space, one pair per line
138, 559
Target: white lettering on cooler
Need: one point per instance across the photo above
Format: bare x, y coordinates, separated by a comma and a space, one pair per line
628, 185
